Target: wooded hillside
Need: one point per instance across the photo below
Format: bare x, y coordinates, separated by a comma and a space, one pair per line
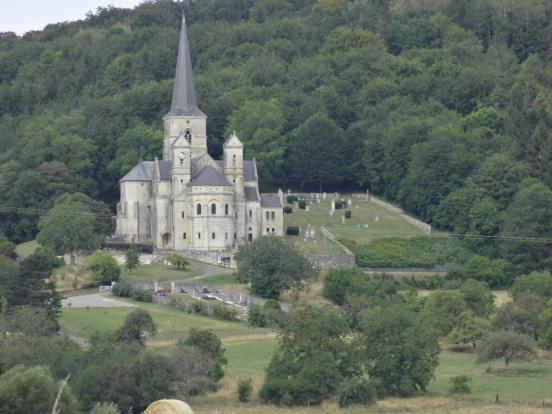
442, 106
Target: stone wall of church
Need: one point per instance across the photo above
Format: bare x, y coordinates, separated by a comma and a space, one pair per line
134, 211
272, 221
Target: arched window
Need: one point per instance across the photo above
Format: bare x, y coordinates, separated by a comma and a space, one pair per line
273, 215
234, 160
213, 209
182, 213
198, 209
250, 213
181, 162
213, 236
184, 236
199, 235
188, 135
226, 209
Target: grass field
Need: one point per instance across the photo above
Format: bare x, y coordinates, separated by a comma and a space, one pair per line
27, 248
171, 323
161, 273
369, 222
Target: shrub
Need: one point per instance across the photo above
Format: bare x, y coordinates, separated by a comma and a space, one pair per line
302, 204
105, 408
291, 199
141, 295
122, 289
339, 204
199, 307
104, 267
226, 313
359, 391
256, 316
177, 261
348, 214
459, 385
288, 210
292, 230
244, 390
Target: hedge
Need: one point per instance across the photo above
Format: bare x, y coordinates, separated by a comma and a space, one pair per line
292, 230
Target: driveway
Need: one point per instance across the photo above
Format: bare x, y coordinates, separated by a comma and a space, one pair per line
94, 300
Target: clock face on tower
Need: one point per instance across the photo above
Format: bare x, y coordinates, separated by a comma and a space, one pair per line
181, 155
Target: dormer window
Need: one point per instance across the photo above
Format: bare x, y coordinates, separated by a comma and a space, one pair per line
188, 135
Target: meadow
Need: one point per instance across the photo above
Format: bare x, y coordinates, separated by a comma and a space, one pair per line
368, 222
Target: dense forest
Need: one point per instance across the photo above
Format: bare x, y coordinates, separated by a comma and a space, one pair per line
441, 106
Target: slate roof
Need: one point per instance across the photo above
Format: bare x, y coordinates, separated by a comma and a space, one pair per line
270, 201
249, 170
209, 176
144, 171
251, 194
165, 169
184, 96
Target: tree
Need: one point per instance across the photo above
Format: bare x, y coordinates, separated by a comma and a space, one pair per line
442, 310
361, 391
506, 345
493, 272
178, 261
272, 266
7, 249
401, 350
545, 332
104, 267
28, 321
137, 326
305, 370
521, 316
206, 341
244, 389
69, 227
478, 297
469, 329
460, 385
536, 283
132, 258
33, 390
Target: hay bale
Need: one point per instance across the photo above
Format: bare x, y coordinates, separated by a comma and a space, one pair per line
169, 407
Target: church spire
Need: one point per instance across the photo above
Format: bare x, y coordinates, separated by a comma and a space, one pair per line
184, 97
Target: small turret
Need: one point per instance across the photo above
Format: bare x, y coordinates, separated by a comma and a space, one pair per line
233, 161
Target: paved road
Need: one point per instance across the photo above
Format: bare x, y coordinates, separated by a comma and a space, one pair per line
94, 301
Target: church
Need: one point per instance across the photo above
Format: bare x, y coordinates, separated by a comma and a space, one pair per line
188, 201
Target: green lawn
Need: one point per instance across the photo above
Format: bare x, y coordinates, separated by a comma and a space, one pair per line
249, 356
525, 381
171, 323
27, 248
369, 222
161, 273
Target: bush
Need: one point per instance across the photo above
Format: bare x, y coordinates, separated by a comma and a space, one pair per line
104, 267
348, 214
226, 313
339, 204
302, 204
292, 230
359, 391
459, 385
105, 408
178, 262
141, 295
288, 210
244, 390
122, 289
292, 199
256, 316
199, 307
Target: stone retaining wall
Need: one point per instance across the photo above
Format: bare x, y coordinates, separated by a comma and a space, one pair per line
426, 228
325, 262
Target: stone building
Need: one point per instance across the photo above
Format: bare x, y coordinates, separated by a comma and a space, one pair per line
188, 201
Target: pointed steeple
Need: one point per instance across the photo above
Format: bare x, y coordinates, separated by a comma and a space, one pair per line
184, 97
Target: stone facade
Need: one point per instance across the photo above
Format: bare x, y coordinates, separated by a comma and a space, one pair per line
188, 201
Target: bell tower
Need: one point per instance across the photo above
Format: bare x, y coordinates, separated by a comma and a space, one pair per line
184, 117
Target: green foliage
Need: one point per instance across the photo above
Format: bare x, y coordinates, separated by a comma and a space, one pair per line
414, 252
268, 315
7, 249
141, 295
178, 262
442, 310
209, 343
478, 297
545, 332
401, 349
223, 312
506, 345
137, 326
292, 199
469, 329
536, 283
348, 214
104, 267
132, 258
29, 321
244, 389
256, 317
33, 390
288, 210
292, 230
339, 204
302, 204
460, 385
122, 289
494, 273
306, 370
272, 266
358, 391
522, 316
